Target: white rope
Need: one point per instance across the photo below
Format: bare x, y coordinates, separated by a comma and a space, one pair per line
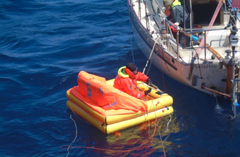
150, 56
159, 132
168, 123
75, 134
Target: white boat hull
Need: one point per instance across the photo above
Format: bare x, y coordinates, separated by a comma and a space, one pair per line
210, 74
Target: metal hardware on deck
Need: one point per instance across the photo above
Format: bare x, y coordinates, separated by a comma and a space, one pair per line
228, 54
212, 57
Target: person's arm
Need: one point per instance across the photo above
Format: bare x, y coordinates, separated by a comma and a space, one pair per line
141, 77
129, 88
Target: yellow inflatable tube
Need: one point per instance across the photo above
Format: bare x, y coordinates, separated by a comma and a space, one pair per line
119, 125
163, 101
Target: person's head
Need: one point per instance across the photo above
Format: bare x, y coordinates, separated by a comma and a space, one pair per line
132, 67
167, 4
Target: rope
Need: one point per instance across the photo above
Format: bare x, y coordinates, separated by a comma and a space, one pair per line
149, 56
75, 135
168, 123
162, 143
215, 95
149, 67
123, 151
159, 133
75, 129
165, 131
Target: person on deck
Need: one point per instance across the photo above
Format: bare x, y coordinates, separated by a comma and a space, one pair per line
176, 16
127, 78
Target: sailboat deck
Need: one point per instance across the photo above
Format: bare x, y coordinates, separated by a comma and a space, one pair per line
217, 37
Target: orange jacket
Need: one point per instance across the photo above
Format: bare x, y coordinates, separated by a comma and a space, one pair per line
128, 84
102, 97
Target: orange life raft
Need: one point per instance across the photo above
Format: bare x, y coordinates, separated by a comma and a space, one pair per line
110, 109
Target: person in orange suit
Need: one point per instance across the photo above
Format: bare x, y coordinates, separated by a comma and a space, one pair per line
127, 78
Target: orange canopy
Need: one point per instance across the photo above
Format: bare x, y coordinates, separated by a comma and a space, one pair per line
104, 98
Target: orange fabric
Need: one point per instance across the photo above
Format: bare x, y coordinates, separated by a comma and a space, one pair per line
92, 86
139, 76
75, 92
128, 85
174, 30
100, 96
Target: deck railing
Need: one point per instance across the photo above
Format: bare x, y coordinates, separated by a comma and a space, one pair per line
194, 38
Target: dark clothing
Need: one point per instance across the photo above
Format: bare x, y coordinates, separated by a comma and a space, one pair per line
177, 16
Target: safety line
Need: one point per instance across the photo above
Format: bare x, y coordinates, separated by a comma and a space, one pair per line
124, 151
150, 56
75, 129
168, 123
75, 135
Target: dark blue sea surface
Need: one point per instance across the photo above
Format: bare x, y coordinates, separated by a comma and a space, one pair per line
43, 46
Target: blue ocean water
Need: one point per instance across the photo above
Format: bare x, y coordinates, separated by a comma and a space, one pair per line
43, 46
